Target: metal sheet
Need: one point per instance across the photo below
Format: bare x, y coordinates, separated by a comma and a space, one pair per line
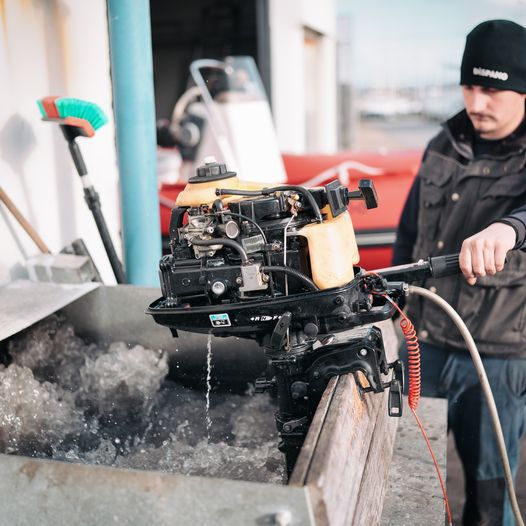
47, 492
24, 302
50, 493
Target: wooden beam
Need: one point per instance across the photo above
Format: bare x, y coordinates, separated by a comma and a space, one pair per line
345, 460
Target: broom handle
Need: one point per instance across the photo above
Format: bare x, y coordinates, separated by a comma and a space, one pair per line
93, 201
31, 232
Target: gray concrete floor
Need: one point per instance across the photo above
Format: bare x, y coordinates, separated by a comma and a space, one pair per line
455, 481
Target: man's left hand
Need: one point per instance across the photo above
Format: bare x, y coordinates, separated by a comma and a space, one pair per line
485, 252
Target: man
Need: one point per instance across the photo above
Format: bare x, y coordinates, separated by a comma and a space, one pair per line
470, 197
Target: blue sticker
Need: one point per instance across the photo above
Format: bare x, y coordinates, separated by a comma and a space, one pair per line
220, 320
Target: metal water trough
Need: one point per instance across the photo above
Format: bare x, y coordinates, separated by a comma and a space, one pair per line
329, 485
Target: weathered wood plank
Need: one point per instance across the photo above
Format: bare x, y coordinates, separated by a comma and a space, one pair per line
375, 477
301, 469
347, 452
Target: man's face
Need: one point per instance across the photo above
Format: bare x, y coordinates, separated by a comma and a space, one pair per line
494, 113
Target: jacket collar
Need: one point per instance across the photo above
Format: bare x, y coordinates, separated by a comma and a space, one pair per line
460, 132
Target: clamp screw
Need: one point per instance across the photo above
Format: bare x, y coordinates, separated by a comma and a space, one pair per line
218, 288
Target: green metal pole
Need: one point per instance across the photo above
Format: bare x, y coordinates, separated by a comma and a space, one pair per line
134, 107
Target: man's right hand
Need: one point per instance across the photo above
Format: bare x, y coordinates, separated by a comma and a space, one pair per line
485, 252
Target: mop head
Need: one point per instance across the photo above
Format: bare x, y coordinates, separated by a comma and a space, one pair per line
85, 116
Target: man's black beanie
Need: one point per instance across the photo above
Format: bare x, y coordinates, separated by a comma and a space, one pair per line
495, 56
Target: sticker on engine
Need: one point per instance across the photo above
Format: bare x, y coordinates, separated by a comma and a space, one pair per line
220, 320
265, 318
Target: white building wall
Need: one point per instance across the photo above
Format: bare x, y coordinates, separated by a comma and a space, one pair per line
60, 48
288, 20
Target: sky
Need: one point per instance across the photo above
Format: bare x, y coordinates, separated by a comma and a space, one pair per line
397, 43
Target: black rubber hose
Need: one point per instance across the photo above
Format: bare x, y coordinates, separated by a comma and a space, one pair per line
231, 191
222, 241
266, 191
292, 272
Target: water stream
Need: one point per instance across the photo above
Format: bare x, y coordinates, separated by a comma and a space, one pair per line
208, 383
115, 405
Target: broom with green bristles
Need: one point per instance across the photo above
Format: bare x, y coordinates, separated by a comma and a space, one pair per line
79, 118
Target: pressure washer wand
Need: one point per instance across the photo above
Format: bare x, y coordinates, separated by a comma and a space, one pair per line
92, 199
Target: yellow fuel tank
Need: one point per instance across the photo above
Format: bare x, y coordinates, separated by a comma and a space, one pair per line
332, 250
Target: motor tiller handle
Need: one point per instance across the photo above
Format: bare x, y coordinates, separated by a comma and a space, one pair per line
447, 265
433, 267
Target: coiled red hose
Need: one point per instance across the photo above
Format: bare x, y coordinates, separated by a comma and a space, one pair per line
413, 361
415, 383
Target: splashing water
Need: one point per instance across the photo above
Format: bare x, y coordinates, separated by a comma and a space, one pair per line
78, 402
119, 375
208, 383
33, 414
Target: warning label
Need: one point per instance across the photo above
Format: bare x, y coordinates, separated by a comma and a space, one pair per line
220, 320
